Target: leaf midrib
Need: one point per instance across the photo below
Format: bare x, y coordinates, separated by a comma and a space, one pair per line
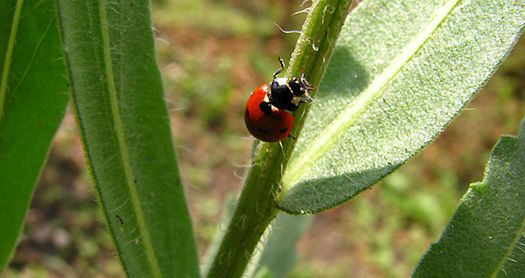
9, 56
330, 136
123, 148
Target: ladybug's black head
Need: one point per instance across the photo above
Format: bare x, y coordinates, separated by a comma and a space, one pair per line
288, 94
298, 87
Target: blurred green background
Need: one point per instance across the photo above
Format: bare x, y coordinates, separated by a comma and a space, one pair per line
211, 55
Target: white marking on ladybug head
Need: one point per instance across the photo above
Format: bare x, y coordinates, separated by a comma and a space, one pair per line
274, 109
282, 80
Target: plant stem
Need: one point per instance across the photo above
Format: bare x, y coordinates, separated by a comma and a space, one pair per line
256, 206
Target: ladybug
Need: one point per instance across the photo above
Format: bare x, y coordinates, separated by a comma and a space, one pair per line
268, 114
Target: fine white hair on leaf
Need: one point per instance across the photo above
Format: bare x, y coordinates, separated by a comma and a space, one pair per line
304, 2
251, 138
303, 11
240, 177
282, 149
173, 105
162, 40
329, 9
287, 31
176, 109
238, 165
185, 149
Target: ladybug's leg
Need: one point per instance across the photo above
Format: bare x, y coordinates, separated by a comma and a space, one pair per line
298, 100
306, 98
281, 61
308, 86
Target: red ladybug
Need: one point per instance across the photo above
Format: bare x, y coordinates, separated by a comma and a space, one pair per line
267, 113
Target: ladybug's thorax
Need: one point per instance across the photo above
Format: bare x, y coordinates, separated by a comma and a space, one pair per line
281, 95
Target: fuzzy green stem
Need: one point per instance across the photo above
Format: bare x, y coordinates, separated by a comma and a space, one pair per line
256, 206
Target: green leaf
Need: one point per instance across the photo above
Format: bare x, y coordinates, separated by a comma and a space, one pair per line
33, 100
280, 255
120, 109
401, 71
486, 235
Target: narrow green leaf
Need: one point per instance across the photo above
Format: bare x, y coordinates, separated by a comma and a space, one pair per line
33, 99
280, 254
486, 235
401, 71
122, 115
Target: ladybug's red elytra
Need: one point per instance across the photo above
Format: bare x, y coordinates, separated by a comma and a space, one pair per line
267, 113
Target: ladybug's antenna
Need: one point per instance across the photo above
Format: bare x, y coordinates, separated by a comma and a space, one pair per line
281, 61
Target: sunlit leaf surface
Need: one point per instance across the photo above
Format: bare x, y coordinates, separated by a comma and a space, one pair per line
401, 71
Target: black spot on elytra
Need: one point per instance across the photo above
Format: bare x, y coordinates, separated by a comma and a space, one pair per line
283, 130
266, 107
247, 112
262, 130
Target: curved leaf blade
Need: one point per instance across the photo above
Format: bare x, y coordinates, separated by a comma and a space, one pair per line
279, 255
120, 109
401, 71
33, 100
486, 234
